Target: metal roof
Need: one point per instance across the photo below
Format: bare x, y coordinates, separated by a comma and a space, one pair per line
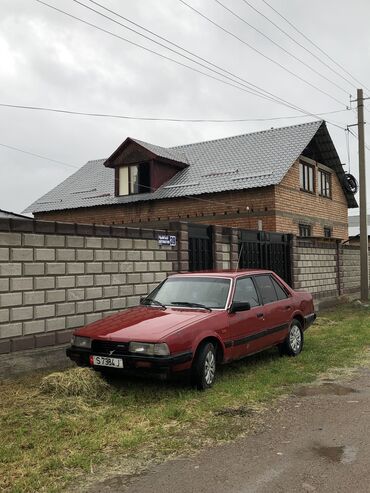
12, 215
234, 163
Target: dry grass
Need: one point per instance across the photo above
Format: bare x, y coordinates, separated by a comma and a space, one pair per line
71, 427
79, 382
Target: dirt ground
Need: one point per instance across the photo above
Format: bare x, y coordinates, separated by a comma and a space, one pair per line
316, 440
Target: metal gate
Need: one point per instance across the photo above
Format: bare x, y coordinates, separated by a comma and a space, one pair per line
261, 250
200, 247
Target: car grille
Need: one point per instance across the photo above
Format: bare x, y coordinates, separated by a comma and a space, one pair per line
106, 347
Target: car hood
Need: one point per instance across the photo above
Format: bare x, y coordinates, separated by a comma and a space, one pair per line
142, 323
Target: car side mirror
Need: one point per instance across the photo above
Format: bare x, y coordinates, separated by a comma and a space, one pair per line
240, 306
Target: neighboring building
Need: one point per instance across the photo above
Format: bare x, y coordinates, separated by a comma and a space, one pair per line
12, 215
287, 179
354, 228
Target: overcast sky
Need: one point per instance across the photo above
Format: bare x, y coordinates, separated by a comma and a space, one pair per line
48, 59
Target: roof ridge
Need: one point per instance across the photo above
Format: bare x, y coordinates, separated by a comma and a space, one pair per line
243, 135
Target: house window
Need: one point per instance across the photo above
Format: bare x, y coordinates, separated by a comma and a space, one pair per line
327, 232
325, 183
304, 230
134, 179
306, 177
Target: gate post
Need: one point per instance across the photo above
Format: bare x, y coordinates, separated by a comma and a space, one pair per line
217, 240
234, 248
182, 245
294, 262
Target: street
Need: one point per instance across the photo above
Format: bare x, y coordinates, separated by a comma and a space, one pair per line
316, 440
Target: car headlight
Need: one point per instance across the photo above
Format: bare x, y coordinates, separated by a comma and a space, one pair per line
83, 342
149, 349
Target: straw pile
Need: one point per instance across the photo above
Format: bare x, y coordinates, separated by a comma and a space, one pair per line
82, 382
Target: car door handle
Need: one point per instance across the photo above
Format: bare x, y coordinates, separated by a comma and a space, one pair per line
288, 307
260, 315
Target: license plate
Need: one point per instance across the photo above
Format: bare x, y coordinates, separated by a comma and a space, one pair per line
107, 361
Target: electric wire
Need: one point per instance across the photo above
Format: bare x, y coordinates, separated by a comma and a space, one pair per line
296, 42
39, 156
230, 33
175, 120
281, 47
315, 45
265, 95
250, 88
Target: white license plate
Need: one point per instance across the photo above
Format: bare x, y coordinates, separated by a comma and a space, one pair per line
107, 361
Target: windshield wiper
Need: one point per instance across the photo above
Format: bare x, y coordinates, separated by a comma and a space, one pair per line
149, 301
188, 303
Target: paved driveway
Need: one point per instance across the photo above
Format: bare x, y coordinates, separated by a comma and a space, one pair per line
317, 440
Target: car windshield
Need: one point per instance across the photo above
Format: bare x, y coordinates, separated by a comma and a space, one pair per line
187, 291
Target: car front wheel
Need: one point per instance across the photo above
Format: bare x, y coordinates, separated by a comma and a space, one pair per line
204, 366
293, 344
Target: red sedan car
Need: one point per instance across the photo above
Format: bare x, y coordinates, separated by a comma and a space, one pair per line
194, 322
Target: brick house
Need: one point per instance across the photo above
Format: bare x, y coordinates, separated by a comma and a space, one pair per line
288, 180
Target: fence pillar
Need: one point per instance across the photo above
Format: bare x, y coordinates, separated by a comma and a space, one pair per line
181, 228
217, 242
294, 257
234, 248
340, 273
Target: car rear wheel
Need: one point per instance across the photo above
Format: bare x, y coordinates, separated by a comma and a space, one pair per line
293, 344
204, 366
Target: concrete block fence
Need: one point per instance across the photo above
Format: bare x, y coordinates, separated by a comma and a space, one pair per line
327, 269
55, 277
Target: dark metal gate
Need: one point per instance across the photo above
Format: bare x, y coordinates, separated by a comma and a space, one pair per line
200, 247
261, 250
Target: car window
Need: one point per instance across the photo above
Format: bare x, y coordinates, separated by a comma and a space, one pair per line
280, 293
266, 288
208, 291
246, 292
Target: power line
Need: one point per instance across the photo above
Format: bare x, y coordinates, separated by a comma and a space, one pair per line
281, 47
39, 156
149, 118
297, 42
257, 92
315, 45
356, 137
194, 54
242, 87
230, 33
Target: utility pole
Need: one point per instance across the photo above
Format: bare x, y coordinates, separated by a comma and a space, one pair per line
364, 258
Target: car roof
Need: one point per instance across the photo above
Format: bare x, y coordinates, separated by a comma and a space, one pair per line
224, 273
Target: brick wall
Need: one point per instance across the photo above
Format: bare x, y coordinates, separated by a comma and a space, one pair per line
52, 282
279, 208
234, 209
294, 206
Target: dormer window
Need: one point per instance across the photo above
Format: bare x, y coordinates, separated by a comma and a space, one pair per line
134, 179
141, 168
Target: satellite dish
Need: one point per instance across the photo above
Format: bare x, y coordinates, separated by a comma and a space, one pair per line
350, 183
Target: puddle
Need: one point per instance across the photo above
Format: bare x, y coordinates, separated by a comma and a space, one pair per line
235, 411
345, 454
325, 389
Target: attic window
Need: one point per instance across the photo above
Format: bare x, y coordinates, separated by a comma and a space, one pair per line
134, 179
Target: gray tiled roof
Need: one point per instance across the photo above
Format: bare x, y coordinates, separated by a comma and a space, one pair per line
12, 215
169, 153
235, 163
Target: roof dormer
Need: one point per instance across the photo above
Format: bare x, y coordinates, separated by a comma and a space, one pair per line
142, 168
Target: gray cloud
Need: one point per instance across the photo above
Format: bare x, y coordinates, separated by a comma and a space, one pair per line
51, 60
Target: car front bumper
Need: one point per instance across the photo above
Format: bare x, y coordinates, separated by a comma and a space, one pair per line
132, 362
